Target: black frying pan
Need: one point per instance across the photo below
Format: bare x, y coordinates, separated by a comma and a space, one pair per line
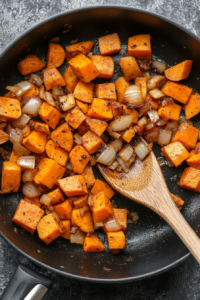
152, 246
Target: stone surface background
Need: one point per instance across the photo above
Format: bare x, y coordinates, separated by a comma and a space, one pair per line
183, 282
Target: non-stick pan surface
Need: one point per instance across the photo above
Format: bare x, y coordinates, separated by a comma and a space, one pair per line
152, 246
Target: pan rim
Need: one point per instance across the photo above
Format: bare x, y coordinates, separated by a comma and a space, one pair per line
11, 44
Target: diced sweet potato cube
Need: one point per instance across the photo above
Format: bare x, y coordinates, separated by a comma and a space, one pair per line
178, 201
91, 142
154, 104
49, 115
34, 200
121, 84
52, 78
57, 196
97, 126
128, 134
176, 153
35, 141
192, 107
41, 127
109, 44
4, 137
79, 158
187, 135
32, 92
89, 176
55, 55
83, 128
190, 180
140, 46
10, 108
100, 109
170, 112
116, 240
73, 185
117, 108
84, 68
120, 215
102, 186
75, 49
48, 229
104, 65
81, 201
66, 227
129, 67
56, 153
84, 91
177, 91
64, 210
106, 91
27, 216
133, 112
82, 106
13, 157
102, 208
142, 81
70, 79
63, 136
194, 161
75, 117
93, 244
48, 172
82, 220
30, 64
12, 96
180, 71
11, 177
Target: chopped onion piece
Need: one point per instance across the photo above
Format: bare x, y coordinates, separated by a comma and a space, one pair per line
8, 128
169, 164
57, 91
45, 199
117, 144
49, 99
20, 150
161, 161
122, 164
30, 190
107, 156
42, 92
159, 66
90, 200
126, 153
142, 150
98, 225
171, 125
56, 217
68, 166
160, 122
182, 119
142, 122
92, 160
26, 162
164, 137
152, 137
24, 87
13, 89
67, 102
26, 131
83, 210
114, 165
36, 79
134, 217
146, 74
112, 225
77, 138
156, 94
149, 126
133, 95
21, 122
113, 133
131, 160
28, 175
153, 115
49, 209
16, 136
121, 123
155, 81
32, 106
77, 237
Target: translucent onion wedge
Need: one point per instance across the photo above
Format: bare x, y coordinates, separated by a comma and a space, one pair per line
92, 160
32, 106
152, 137
24, 87
126, 153
30, 190
21, 122
16, 135
121, 123
45, 199
142, 122
13, 89
57, 91
155, 81
125, 168
114, 165
164, 137
67, 102
133, 95
77, 237
171, 125
20, 150
112, 225
26, 162
107, 156
49, 99
117, 144
36, 79
77, 138
156, 94
159, 66
153, 115
28, 175
142, 150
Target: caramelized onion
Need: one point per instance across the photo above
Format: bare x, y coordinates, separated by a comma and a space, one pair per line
133, 95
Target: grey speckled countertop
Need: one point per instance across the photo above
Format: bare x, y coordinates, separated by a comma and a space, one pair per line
183, 282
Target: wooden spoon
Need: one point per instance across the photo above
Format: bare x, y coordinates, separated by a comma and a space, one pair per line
146, 185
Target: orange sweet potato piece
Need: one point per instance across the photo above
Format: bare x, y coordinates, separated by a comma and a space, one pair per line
93, 244
178, 201
121, 84
106, 91
73, 185
129, 67
169, 112
52, 78
187, 135
140, 46
63, 210
180, 71
154, 104
177, 91
11, 177
128, 134
10, 108
4, 137
79, 158
102, 186
109, 44
75, 117
176, 153
84, 91
89, 176
80, 202
48, 172
133, 112
34, 200
82, 220
12, 96
66, 227
83, 128
57, 196
101, 208
56, 153
100, 109
91, 142
27, 216
48, 229
120, 215
190, 180
117, 108
13, 157
63, 136
116, 240
194, 160
104, 65
142, 81
30, 64
84, 68
41, 127
192, 107
32, 92
70, 79
75, 49
55, 55
49, 115
97, 126
35, 141
82, 106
